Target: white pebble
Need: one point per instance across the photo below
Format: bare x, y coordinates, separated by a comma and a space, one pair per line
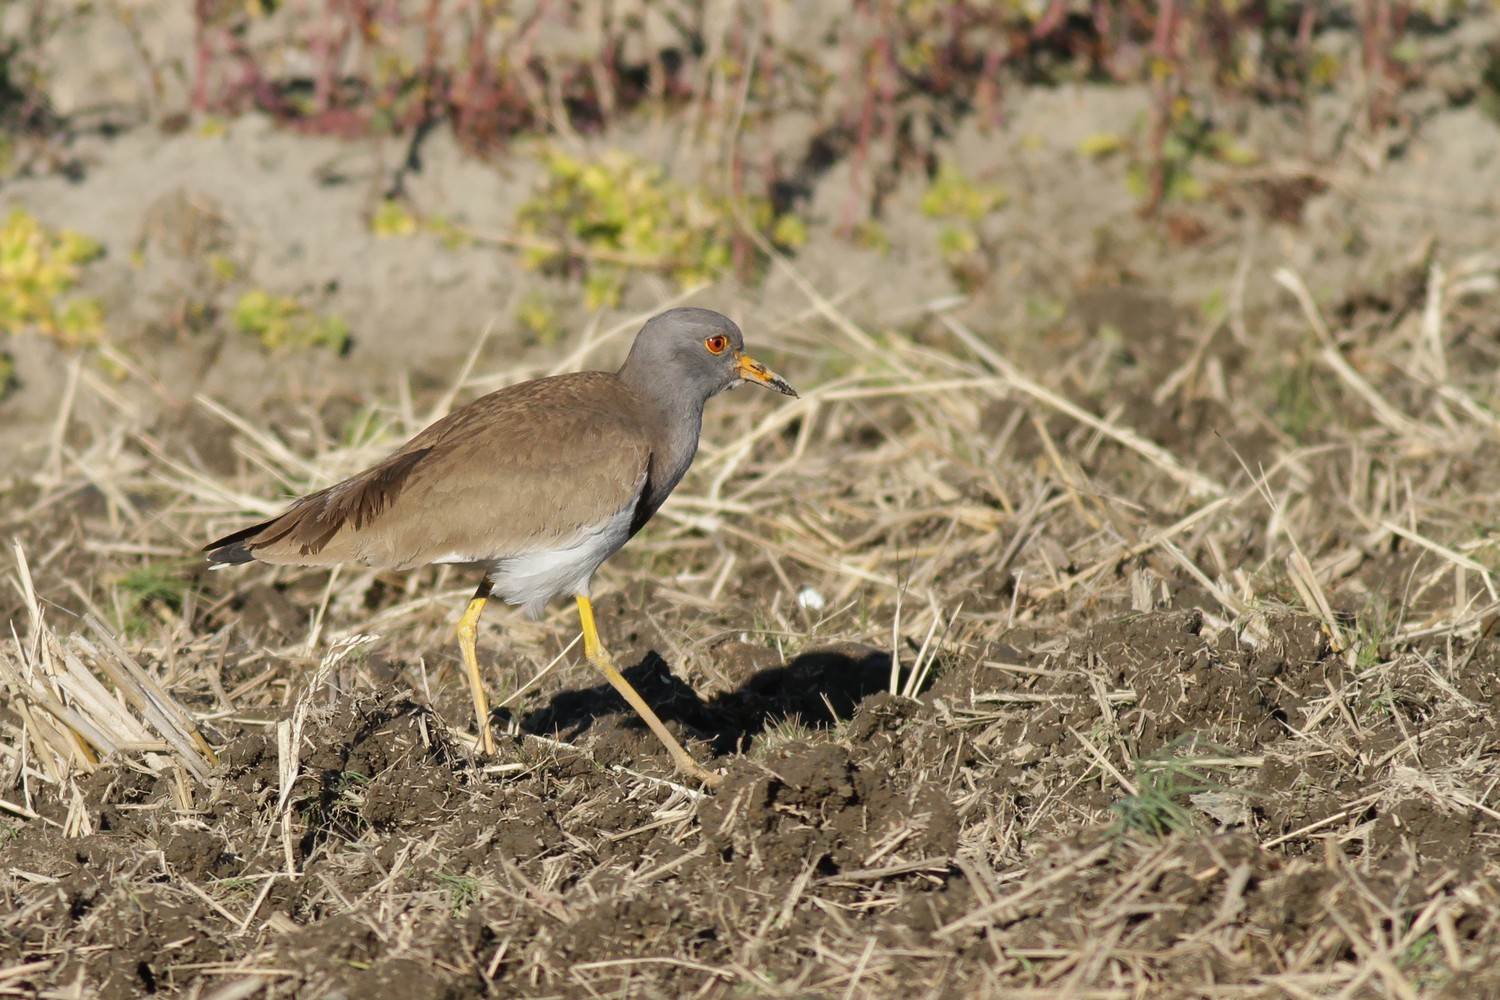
809, 599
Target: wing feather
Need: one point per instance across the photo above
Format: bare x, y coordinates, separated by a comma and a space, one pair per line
520, 470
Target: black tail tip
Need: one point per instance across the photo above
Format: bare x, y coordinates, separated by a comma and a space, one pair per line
227, 554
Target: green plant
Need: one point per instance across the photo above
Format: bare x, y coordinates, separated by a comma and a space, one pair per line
539, 318
600, 220
280, 322
1045, 311
1164, 781
1170, 173
393, 218
954, 197
871, 235
1425, 962
1374, 627
1099, 145
38, 269
463, 890
150, 585
222, 268
369, 425
236, 886
781, 731
1297, 400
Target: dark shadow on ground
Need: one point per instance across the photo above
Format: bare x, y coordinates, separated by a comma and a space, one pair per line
807, 687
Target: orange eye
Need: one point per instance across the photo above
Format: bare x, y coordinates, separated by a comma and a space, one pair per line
716, 343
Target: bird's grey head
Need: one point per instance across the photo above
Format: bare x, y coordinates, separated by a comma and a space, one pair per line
691, 354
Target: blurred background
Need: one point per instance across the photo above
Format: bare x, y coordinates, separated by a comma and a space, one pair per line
365, 186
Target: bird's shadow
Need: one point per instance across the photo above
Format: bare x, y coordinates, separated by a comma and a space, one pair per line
820, 688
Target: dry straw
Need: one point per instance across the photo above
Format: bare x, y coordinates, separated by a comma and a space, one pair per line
81, 703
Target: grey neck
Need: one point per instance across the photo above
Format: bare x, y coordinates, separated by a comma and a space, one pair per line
675, 421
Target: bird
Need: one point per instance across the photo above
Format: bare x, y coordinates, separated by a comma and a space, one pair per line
533, 486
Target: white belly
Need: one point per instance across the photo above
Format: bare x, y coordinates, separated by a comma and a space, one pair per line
534, 578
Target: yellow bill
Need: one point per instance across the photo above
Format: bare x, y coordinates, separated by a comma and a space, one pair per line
751, 370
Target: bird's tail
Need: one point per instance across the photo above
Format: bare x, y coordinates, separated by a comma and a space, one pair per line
231, 550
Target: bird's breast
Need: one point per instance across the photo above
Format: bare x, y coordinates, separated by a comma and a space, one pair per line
535, 577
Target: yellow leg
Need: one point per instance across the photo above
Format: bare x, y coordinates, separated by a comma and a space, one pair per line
599, 658
468, 630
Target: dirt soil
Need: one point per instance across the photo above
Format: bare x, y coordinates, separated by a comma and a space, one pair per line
1180, 530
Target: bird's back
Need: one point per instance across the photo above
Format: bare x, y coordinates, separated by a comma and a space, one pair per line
527, 468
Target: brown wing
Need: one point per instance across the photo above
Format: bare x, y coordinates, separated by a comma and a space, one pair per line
521, 469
